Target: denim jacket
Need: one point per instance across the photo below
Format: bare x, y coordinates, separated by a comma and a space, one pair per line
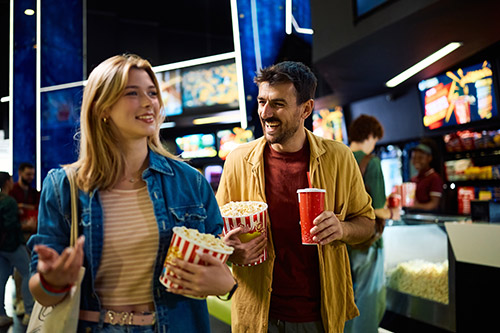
181, 197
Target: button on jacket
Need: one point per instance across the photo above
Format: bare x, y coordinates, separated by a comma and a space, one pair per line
181, 197
332, 167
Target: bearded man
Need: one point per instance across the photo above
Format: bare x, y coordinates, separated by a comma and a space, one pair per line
299, 288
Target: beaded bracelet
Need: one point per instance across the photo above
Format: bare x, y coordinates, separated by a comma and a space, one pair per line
49, 290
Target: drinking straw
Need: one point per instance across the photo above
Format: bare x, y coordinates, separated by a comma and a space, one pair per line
309, 179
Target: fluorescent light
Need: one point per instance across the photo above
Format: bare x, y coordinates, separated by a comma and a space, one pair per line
239, 64
64, 86
288, 17
11, 87
5, 99
168, 124
255, 33
229, 118
291, 22
194, 62
300, 30
38, 97
29, 12
423, 64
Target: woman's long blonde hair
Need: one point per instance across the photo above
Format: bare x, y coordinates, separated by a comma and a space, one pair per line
101, 162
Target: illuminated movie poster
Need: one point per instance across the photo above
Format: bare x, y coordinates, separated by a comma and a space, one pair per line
210, 85
197, 145
330, 124
459, 97
230, 139
170, 85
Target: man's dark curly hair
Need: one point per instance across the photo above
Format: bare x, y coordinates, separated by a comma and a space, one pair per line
364, 126
300, 75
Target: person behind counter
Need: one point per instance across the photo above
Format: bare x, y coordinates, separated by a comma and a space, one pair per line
367, 259
131, 193
299, 288
429, 184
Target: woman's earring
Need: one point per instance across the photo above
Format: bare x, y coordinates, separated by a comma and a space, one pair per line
105, 120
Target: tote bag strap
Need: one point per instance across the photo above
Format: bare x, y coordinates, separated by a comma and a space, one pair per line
71, 173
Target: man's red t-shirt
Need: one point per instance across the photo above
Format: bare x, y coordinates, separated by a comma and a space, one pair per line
31, 197
296, 291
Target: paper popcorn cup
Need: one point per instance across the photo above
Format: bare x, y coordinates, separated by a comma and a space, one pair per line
408, 194
184, 244
252, 214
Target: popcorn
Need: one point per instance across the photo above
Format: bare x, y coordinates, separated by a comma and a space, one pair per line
242, 208
208, 241
421, 278
184, 245
251, 214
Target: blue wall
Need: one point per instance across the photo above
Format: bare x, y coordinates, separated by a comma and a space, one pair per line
61, 62
270, 19
61, 48
23, 95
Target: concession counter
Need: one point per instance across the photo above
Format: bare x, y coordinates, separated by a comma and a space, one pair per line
443, 271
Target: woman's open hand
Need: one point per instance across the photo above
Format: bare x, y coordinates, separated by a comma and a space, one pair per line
60, 270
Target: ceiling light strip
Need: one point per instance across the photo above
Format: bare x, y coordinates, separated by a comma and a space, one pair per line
239, 65
288, 17
11, 87
64, 86
300, 30
423, 64
256, 39
38, 85
194, 62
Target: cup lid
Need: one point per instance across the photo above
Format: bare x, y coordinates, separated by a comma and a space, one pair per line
310, 190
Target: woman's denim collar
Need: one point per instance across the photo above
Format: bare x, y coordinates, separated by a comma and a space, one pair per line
160, 163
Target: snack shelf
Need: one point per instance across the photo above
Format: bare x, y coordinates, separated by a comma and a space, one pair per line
476, 182
486, 152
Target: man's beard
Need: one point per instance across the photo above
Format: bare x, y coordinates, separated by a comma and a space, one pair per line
25, 182
282, 137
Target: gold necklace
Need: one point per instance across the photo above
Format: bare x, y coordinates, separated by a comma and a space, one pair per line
133, 179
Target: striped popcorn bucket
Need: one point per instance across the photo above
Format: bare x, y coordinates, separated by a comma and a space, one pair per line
184, 248
257, 223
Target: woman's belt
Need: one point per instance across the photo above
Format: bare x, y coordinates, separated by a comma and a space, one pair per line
119, 318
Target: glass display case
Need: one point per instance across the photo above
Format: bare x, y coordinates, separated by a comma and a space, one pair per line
419, 267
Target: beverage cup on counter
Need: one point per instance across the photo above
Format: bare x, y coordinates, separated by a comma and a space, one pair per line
185, 244
394, 200
408, 194
249, 214
311, 204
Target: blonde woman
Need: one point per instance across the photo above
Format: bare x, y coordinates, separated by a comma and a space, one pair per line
132, 192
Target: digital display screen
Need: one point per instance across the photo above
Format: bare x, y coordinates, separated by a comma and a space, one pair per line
330, 124
197, 145
210, 85
170, 85
459, 97
230, 139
